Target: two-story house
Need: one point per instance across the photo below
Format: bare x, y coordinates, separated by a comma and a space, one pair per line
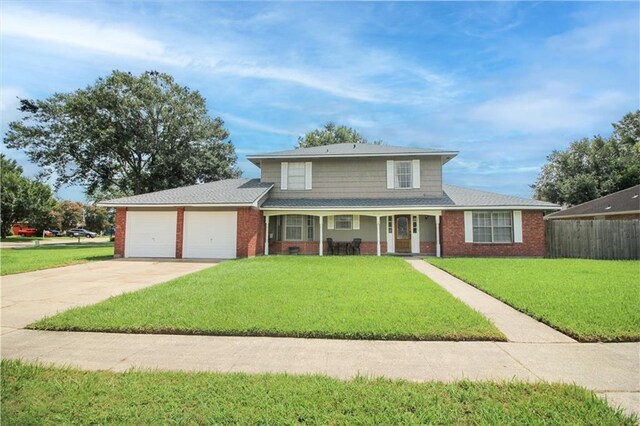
328, 200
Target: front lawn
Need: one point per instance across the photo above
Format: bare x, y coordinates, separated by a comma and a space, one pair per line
33, 394
16, 260
301, 296
590, 300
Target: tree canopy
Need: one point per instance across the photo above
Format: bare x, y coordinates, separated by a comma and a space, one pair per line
331, 134
125, 135
593, 167
22, 199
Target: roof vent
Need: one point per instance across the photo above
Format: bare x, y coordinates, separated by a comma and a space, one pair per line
608, 208
635, 196
354, 146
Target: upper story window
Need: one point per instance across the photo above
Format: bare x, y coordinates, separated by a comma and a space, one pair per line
295, 176
492, 227
403, 174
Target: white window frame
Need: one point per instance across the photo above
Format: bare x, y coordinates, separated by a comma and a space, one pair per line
396, 178
310, 227
343, 217
492, 226
299, 170
288, 225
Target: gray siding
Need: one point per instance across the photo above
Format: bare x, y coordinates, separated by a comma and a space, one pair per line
356, 178
427, 228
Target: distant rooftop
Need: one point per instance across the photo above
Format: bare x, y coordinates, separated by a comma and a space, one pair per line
348, 150
625, 201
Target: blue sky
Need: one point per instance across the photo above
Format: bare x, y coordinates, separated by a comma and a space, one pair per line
504, 83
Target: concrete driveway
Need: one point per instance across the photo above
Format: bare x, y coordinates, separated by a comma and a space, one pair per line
30, 296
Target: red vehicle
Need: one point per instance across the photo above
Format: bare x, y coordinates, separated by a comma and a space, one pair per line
28, 232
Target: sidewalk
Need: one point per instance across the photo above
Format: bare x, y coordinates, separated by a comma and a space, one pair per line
515, 325
608, 369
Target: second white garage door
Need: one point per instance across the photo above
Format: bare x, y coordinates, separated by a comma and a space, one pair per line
209, 235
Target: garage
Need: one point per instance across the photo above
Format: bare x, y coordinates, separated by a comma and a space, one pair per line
209, 235
151, 233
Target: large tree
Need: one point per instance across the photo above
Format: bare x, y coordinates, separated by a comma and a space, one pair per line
593, 167
22, 199
97, 218
331, 134
125, 135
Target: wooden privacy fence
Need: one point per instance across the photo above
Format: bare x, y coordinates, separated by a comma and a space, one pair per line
593, 239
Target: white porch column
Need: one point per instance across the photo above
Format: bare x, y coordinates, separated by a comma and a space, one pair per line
378, 232
321, 237
438, 236
266, 236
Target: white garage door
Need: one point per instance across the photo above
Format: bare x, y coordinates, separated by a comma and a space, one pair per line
151, 234
209, 235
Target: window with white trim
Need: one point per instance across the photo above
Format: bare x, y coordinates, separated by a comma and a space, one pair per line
343, 222
293, 225
403, 174
310, 220
492, 227
296, 176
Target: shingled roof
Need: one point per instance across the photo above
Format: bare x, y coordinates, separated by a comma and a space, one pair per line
453, 197
625, 201
349, 150
229, 192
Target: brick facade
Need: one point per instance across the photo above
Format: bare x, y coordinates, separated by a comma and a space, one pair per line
453, 237
121, 229
428, 247
250, 232
179, 232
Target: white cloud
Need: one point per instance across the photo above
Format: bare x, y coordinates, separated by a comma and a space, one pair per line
9, 104
250, 124
93, 35
548, 110
356, 75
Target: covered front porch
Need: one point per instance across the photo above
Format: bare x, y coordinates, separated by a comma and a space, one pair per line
323, 232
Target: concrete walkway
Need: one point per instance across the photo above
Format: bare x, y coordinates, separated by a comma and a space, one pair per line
515, 325
609, 369
30, 296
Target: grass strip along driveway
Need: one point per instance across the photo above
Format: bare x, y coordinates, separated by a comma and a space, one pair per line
17, 260
590, 300
332, 297
33, 394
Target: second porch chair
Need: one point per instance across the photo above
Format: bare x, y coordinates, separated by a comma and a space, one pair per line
355, 245
330, 248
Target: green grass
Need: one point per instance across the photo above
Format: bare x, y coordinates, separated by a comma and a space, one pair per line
16, 260
20, 239
332, 297
590, 300
33, 394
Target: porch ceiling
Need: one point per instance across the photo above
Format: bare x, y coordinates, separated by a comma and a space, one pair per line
374, 213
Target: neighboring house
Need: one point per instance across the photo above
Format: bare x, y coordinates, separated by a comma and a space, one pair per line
392, 198
621, 205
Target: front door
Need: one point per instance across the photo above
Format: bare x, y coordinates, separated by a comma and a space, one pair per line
403, 234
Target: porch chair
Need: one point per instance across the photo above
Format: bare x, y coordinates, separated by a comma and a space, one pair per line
355, 245
330, 246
